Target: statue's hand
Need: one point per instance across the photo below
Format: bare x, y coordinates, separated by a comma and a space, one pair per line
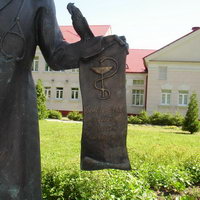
96, 45
109, 40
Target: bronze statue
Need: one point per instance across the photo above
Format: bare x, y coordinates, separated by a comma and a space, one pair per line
24, 25
102, 82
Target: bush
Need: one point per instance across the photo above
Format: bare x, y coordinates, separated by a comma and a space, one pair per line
166, 119
76, 116
101, 185
168, 178
192, 166
138, 184
191, 122
53, 114
144, 117
41, 100
177, 119
156, 118
134, 120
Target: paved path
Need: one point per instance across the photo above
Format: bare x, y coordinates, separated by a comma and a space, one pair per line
65, 121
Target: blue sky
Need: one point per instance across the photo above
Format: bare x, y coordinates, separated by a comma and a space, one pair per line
147, 24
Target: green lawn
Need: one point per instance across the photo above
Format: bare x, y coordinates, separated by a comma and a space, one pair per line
60, 144
161, 145
161, 157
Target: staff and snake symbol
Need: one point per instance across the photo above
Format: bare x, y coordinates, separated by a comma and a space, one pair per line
102, 70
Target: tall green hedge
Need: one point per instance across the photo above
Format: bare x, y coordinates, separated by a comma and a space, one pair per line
157, 118
41, 100
191, 122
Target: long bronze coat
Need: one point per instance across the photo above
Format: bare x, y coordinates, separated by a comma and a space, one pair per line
24, 25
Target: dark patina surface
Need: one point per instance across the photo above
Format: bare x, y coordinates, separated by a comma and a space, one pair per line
24, 25
102, 82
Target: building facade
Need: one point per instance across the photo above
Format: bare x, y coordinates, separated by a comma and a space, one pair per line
62, 88
161, 80
174, 74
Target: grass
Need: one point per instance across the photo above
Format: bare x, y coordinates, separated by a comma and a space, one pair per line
161, 145
157, 154
60, 144
154, 144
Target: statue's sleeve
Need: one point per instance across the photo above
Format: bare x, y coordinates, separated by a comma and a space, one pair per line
58, 53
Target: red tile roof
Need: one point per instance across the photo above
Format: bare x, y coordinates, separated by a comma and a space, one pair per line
71, 36
135, 63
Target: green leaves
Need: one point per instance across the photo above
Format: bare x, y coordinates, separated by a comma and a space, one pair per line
41, 100
157, 118
54, 114
61, 184
75, 115
191, 122
97, 185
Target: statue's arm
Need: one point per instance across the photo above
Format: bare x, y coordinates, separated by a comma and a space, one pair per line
58, 53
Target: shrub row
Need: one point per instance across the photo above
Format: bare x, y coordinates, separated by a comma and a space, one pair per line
102, 185
157, 118
53, 114
76, 116
140, 183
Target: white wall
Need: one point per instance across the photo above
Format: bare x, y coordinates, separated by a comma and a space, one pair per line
180, 76
69, 79
131, 109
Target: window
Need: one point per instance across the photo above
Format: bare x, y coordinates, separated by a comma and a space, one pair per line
138, 97
166, 97
183, 98
47, 68
35, 64
74, 93
75, 70
59, 93
162, 73
138, 82
47, 91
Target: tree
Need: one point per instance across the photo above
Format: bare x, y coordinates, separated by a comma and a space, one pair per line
191, 122
41, 100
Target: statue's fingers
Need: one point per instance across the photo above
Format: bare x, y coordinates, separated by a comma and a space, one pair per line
111, 38
120, 40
